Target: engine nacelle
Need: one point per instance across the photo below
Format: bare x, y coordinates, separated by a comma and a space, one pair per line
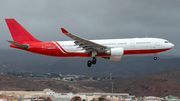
115, 52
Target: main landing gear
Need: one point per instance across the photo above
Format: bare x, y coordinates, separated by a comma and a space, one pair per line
93, 60
90, 62
155, 57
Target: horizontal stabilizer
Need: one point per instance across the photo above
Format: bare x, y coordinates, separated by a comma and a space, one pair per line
18, 44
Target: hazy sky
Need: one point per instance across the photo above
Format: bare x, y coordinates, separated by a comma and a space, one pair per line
94, 19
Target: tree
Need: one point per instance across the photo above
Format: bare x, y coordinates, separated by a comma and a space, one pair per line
101, 98
83, 100
34, 90
27, 90
76, 99
94, 78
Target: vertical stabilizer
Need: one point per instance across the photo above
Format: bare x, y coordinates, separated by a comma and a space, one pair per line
19, 33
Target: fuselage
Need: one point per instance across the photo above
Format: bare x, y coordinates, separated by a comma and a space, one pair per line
130, 46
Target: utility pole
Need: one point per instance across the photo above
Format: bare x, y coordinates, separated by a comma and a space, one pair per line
112, 86
112, 90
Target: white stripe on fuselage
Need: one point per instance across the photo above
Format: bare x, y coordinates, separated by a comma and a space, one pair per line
126, 44
59, 47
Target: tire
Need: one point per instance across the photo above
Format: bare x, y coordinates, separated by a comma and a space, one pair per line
155, 58
89, 63
94, 60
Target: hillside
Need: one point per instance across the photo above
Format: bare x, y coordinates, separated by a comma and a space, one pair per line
9, 82
22, 61
154, 84
13, 83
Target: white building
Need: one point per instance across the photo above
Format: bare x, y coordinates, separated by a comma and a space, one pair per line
66, 95
90, 96
3, 99
50, 93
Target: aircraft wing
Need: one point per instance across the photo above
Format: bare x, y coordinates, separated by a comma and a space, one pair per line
87, 45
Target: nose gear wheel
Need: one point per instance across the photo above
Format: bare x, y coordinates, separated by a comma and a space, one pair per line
155, 56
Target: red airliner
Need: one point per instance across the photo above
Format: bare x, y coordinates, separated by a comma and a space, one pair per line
112, 49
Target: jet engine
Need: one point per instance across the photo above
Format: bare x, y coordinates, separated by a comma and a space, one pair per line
115, 51
116, 54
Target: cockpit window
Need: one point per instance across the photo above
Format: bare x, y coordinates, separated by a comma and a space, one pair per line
166, 42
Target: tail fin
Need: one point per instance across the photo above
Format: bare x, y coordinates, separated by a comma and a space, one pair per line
19, 33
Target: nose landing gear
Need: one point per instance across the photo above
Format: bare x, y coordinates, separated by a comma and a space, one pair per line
155, 56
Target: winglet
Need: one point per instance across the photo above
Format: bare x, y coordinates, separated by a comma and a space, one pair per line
64, 31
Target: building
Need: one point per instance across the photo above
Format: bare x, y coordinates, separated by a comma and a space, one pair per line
63, 95
109, 96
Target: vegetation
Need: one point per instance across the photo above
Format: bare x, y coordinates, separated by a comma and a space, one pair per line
76, 99
34, 90
30, 90
27, 90
101, 98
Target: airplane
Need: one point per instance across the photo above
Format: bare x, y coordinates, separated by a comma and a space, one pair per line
112, 49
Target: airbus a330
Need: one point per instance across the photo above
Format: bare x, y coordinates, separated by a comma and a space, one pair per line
112, 49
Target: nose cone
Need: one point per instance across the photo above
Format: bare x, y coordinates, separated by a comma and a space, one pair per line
172, 45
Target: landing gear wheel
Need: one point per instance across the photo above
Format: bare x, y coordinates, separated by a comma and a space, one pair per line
155, 58
89, 63
94, 60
